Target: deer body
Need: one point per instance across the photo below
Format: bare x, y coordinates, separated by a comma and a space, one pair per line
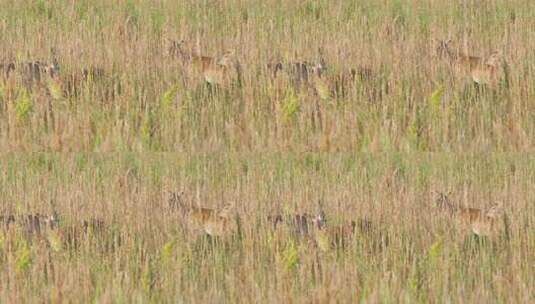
214, 222
6, 69
483, 71
299, 72
214, 70
31, 73
481, 222
299, 224
31, 224
7, 220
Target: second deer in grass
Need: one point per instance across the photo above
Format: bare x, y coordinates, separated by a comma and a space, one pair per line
31, 224
300, 73
483, 71
7, 220
300, 224
217, 70
214, 222
480, 221
6, 69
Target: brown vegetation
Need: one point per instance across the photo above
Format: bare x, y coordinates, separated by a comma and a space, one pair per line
342, 100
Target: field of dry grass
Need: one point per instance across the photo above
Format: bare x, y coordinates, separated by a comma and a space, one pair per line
346, 107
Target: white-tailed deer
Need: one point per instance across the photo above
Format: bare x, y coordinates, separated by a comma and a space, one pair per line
32, 224
301, 224
483, 71
7, 220
482, 222
214, 222
216, 70
299, 72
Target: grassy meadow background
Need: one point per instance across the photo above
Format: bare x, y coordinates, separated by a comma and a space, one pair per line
148, 255
392, 38
377, 152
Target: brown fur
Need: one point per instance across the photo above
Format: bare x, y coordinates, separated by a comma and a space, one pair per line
480, 222
299, 72
6, 69
300, 224
483, 71
32, 73
31, 224
214, 222
7, 220
214, 70
218, 70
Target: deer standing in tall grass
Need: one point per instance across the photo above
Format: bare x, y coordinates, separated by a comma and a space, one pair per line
31, 224
214, 222
482, 222
32, 75
7, 220
31, 72
483, 71
300, 73
216, 70
6, 69
301, 224
314, 75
